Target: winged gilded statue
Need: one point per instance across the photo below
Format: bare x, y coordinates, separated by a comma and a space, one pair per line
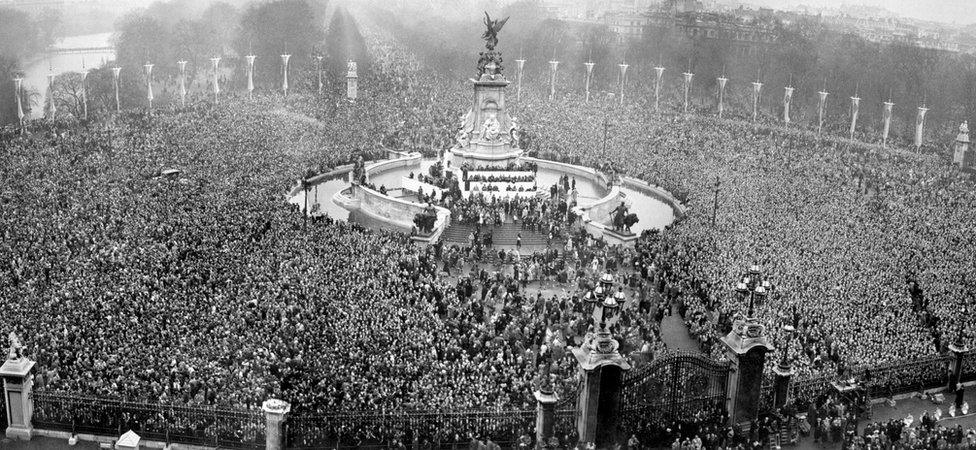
491, 33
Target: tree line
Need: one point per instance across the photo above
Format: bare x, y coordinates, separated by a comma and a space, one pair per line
807, 54
22, 37
164, 33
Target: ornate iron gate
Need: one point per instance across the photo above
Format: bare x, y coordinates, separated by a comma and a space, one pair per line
675, 387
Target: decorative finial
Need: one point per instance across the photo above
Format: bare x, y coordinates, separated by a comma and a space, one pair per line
16, 348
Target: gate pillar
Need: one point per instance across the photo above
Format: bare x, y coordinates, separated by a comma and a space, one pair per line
602, 368
781, 385
545, 414
746, 346
274, 412
957, 349
18, 381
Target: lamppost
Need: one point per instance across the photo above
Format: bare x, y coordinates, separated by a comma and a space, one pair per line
604, 304
783, 372
784, 363
305, 187
754, 286
715, 204
960, 338
746, 346
958, 349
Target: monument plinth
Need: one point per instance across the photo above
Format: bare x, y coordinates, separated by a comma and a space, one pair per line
488, 135
488, 138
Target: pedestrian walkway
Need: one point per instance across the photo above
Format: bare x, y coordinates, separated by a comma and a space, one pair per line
675, 334
45, 443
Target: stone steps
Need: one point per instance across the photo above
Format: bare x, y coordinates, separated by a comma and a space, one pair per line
505, 235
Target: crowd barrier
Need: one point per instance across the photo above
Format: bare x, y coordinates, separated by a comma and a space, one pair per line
440, 428
60, 414
192, 425
881, 381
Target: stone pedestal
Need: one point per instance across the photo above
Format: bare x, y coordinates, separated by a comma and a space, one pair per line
781, 385
746, 346
545, 415
602, 369
17, 384
275, 411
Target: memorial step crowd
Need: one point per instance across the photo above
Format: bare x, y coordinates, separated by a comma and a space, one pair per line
507, 234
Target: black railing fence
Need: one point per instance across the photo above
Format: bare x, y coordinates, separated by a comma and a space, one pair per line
195, 425
886, 380
3, 413
766, 393
209, 426
805, 390
903, 377
969, 366
444, 429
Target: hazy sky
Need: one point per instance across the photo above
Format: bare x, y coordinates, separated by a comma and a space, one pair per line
948, 11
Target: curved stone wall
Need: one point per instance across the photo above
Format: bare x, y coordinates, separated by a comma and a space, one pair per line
411, 159
657, 192
582, 172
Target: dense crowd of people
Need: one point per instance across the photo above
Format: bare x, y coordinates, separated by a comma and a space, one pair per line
206, 288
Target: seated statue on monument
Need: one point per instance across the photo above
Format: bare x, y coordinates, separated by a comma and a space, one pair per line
491, 129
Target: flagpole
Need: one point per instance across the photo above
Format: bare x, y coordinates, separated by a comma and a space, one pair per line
182, 82
284, 78
623, 81
149, 93
215, 61
18, 87
658, 73
115, 76
589, 72
250, 76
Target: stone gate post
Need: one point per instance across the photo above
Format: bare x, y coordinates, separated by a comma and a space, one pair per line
957, 349
746, 346
545, 413
783, 376
18, 382
602, 369
275, 412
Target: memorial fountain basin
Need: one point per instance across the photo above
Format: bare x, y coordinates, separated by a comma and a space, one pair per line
654, 206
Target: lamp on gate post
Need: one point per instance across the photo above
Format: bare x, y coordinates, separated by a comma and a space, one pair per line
784, 363
755, 287
746, 346
601, 366
604, 305
958, 349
